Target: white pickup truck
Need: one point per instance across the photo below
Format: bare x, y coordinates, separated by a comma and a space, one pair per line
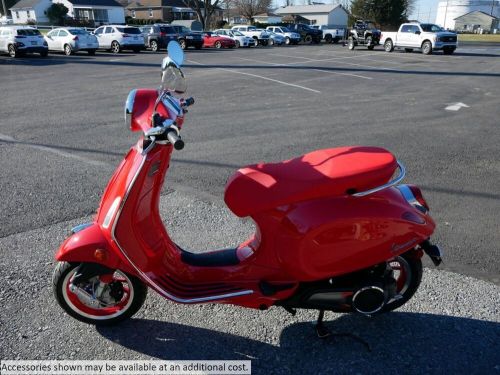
260, 37
426, 36
331, 35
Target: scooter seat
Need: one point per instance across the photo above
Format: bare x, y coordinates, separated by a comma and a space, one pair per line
321, 173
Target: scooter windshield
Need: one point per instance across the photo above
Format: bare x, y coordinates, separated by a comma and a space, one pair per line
173, 80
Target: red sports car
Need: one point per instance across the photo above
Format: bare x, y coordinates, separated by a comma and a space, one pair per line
213, 40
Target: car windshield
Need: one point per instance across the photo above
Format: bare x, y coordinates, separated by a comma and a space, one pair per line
237, 33
28, 32
167, 29
78, 32
129, 30
429, 27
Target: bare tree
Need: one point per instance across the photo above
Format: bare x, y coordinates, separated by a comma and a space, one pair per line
250, 8
204, 9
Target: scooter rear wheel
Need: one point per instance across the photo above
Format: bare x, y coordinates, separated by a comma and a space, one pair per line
121, 297
407, 270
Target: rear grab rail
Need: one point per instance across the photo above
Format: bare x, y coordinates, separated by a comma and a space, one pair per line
397, 180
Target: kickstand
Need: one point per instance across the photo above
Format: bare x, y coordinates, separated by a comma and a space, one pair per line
323, 332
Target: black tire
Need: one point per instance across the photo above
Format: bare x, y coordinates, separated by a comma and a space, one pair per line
44, 53
115, 47
12, 51
335, 40
68, 50
271, 42
91, 52
370, 47
350, 43
448, 50
218, 45
369, 42
183, 44
237, 43
61, 277
256, 41
415, 269
427, 48
409, 50
388, 46
154, 46
264, 43
287, 41
328, 39
308, 39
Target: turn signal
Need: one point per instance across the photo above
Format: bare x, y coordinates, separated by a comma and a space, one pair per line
100, 254
418, 196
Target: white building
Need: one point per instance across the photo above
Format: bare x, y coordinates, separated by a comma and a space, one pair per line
449, 10
30, 10
99, 11
322, 14
267, 17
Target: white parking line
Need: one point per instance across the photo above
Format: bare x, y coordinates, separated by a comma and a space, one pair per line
317, 70
261, 77
7, 138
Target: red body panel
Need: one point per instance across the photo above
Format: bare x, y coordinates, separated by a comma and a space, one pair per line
210, 39
301, 235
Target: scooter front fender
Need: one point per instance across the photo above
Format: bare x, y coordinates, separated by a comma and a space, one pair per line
91, 246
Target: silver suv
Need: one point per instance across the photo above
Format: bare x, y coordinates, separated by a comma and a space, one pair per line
19, 40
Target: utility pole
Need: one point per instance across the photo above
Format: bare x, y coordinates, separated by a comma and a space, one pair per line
4, 9
445, 14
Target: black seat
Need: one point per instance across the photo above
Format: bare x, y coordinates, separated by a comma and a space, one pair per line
219, 258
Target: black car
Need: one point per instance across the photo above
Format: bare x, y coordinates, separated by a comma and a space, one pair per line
307, 33
188, 38
158, 36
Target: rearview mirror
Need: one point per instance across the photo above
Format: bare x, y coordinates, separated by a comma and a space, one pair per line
175, 53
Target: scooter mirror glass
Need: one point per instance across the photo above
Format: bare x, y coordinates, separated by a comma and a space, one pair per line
175, 53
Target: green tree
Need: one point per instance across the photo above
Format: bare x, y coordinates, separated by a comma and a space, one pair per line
386, 13
56, 13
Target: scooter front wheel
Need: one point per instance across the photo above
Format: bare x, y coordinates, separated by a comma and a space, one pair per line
101, 300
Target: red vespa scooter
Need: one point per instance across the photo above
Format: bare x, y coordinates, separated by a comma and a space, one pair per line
333, 231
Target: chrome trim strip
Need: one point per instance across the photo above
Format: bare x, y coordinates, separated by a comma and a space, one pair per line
410, 198
402, 173
80, 227
129, 108
146, 277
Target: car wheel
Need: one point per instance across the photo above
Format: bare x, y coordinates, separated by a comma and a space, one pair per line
237, 44
409, 50
388, 46
91, 52
426, 48
369, 43
287, 41
256, 41
308, 39
217, 45
68, 50
271, 42
183, 43
115, 47
350, 43
12, 51
153, 45
328, 39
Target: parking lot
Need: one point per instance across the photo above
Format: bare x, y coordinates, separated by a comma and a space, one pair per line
62, 134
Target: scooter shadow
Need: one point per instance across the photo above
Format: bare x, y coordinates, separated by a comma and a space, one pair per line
400, 342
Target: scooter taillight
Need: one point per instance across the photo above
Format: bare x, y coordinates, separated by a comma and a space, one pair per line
418, 196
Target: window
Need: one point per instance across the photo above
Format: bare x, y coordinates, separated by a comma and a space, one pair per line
63, 33
133, 14
17, 14
406, 29
109, 30
28, 14
129, 30
53, 34
151, 13
99, 31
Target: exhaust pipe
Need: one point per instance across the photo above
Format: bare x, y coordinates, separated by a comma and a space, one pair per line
369, 300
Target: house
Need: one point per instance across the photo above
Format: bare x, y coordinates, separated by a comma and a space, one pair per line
476, 21
268, 17
166, 10
233, 17
96, 11
318, 14
30, 10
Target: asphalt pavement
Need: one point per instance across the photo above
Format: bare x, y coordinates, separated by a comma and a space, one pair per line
62, 134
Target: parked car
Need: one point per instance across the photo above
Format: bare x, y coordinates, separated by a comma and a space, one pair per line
290, 36
363, 33
188, 38
211, 39
6, 21
307, 33
330, 34
71, 39
276, 39
118, 37
260, 37
240, 39
19, 40
158, 36
425, 36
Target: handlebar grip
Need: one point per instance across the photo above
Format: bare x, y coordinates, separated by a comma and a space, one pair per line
174, 139
188, 102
